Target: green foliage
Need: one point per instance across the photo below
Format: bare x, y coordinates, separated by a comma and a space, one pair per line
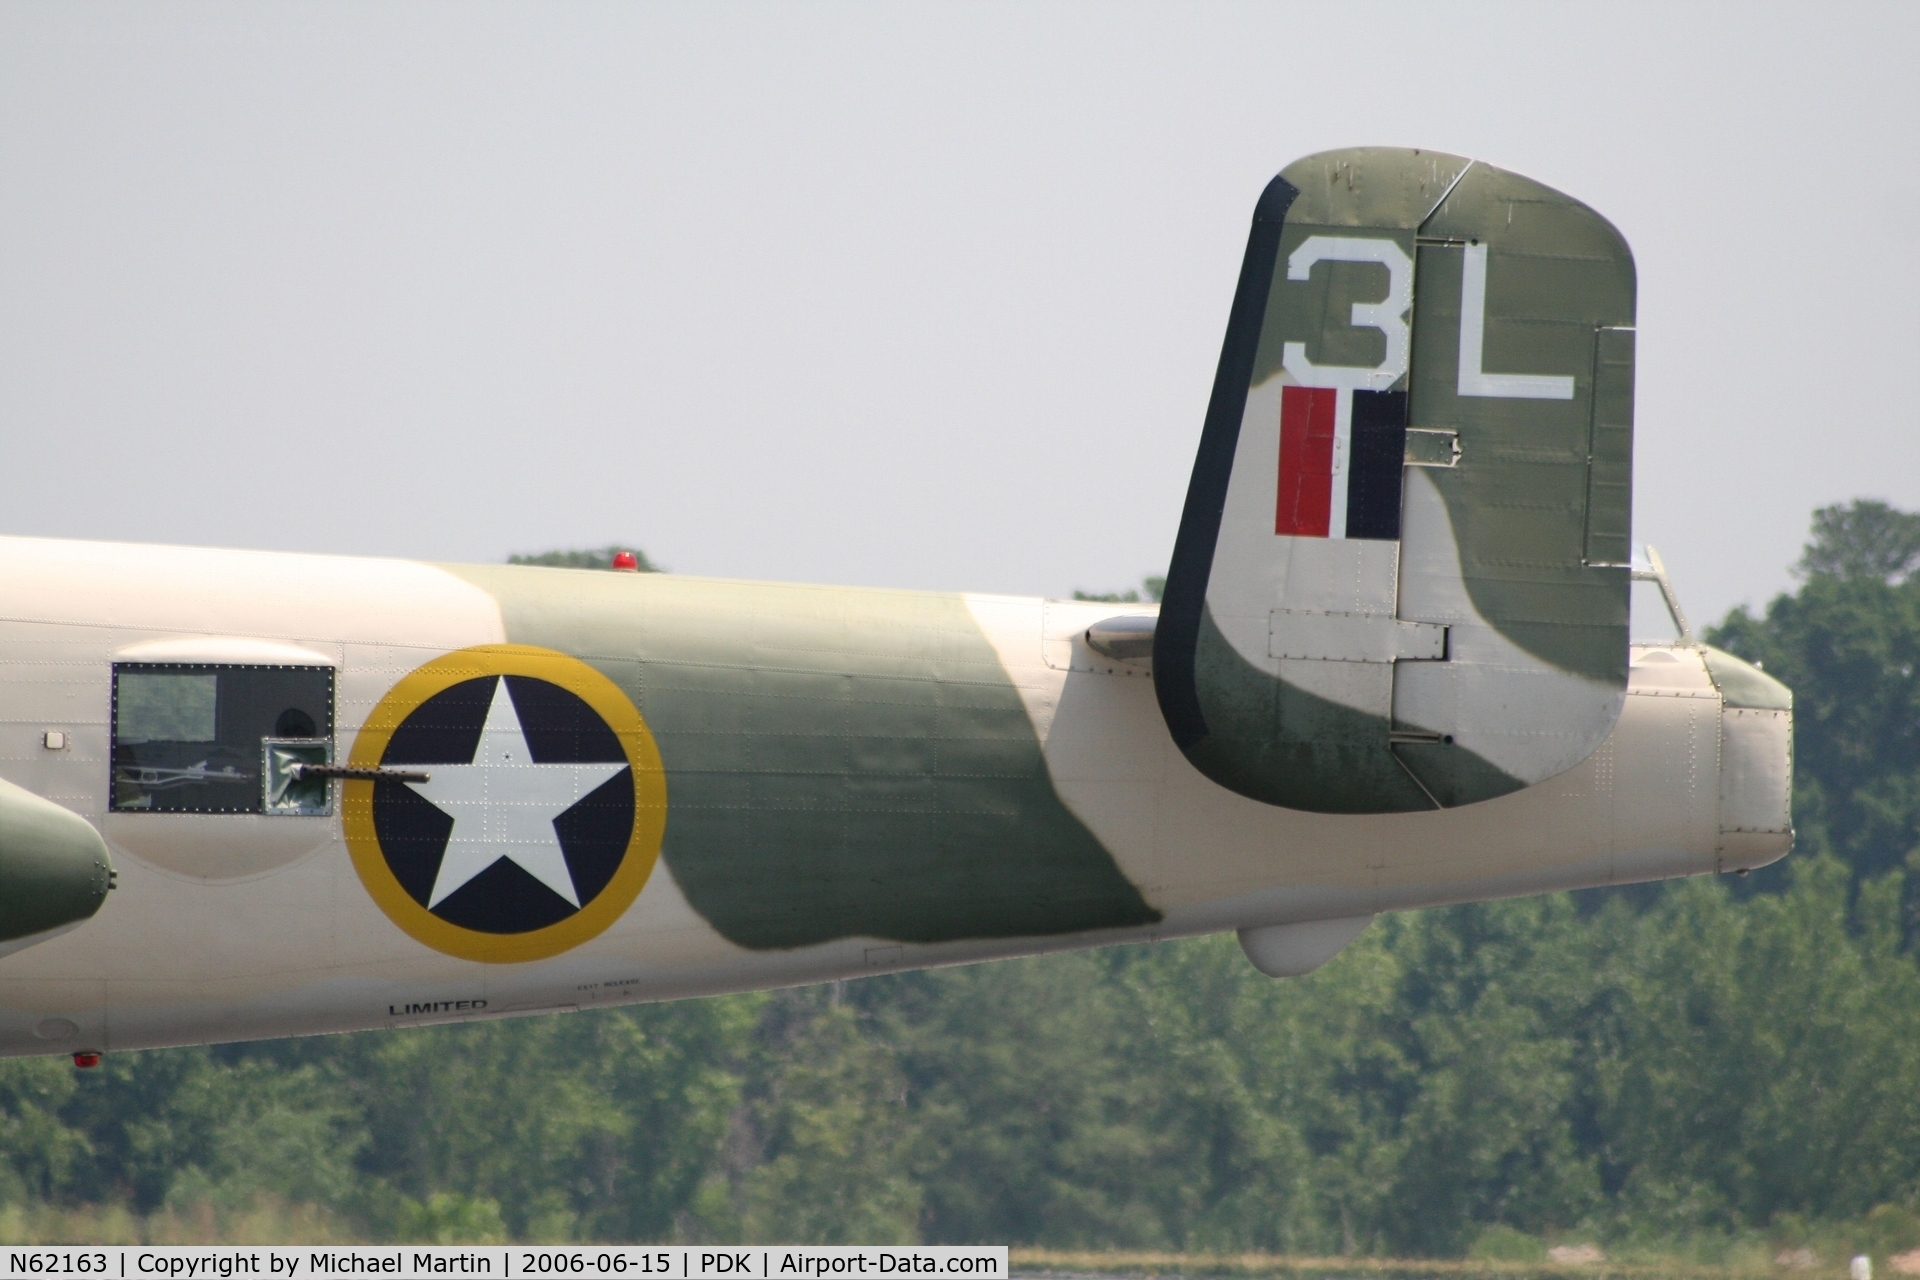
1862, 539
1503, 1244
585, 558
1462, 1081
1848, 644
41, 1149
828, 1132
448, 1218
1771, 1080
598, 1126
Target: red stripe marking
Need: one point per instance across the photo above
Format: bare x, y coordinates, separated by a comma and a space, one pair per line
1306, 461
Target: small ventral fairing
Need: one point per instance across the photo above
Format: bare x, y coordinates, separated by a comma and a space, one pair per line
247, 795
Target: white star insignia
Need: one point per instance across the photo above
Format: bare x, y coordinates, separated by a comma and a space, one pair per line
503, 805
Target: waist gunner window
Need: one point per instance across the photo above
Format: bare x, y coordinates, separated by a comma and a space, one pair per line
208, 738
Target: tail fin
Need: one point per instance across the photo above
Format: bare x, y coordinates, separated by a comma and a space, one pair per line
1401, 577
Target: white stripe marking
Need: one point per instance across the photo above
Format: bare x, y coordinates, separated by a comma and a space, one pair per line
1342, 457
1474, 381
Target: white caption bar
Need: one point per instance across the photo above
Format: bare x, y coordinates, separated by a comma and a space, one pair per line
500, 1262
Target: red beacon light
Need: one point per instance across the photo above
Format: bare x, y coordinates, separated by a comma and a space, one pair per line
625, 562
86, 1059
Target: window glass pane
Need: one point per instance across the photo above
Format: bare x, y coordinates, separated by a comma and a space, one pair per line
189, 738
168, 707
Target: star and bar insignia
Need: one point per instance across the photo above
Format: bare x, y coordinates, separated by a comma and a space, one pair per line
541, 816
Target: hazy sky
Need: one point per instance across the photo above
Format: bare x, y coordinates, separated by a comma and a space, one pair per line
901, 294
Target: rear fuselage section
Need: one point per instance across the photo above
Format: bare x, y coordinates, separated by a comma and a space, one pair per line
825, 782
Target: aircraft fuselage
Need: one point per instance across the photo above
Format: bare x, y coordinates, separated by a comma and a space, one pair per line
824, 782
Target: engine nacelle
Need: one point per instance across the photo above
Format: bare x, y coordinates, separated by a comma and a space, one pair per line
54, 869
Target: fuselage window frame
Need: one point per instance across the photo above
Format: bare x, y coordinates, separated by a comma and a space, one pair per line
256, 707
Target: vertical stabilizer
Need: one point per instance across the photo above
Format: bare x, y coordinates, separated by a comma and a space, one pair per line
1401, 576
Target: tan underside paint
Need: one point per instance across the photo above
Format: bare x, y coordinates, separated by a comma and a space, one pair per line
1642, 806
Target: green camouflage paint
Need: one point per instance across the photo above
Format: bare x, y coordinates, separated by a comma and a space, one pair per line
1373, 191
1325, 757
1560, 301
840, 762
54, 868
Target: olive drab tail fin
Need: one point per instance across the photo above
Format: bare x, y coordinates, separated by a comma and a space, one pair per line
1401, 577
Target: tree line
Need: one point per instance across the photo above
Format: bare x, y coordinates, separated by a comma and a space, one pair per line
1709, 1064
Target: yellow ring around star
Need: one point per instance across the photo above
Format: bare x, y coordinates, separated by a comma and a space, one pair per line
649, 802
